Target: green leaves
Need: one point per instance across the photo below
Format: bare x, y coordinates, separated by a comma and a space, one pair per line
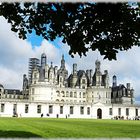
107, 27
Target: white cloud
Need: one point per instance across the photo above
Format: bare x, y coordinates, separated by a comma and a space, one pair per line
14, 55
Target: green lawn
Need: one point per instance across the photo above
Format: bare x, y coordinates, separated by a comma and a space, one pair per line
76, 128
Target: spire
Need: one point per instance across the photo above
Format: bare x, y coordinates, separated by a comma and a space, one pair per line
63, 62
51, 64
97, 65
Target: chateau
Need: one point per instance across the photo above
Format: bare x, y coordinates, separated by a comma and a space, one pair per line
50, 92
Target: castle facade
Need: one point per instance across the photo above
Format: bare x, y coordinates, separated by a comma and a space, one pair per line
50, 91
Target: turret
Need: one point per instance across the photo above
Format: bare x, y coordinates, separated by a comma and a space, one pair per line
106, 78
51, 73
114, 84
74, 77
97, 66
25, 83
98, 73
74, 69
62, 62
128, 85
43, 60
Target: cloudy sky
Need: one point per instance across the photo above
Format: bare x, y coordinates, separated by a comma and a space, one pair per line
14, 55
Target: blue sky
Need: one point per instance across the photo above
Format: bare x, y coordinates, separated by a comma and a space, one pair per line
15, 53
34, 39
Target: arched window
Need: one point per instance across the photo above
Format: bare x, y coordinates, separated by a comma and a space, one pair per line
63, 93
67, 94
62, 100
58, 93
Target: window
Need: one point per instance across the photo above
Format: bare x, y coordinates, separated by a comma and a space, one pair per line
67, 94
110, 111
38, 108
63, 93
14, 109
127, 111
84, 95
119, 111
26, 108
83, 87
60, 79
10, 96
75, 94
61, 109
2, 107
33, 90
50, 76
81, 110
88, 110
50, 109
35, 75
80, 95
83, 81
136, 112
71, 95
106, 95
71, 109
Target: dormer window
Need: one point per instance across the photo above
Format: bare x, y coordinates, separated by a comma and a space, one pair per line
35, 75
83, 87
83, 81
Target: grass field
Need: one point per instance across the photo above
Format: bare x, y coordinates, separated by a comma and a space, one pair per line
66, 128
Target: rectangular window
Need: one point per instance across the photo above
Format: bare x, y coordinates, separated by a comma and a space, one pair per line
88, 110
83, 81
71, 109
67, 94
71, 94
14, 109
84, 95
75, 94
136, 112
110, 111
50, 109
2, 107
61, 109
80, 95
26, 108
38, 108
81, 110
106, 95
119, 111
33, 91
127, 111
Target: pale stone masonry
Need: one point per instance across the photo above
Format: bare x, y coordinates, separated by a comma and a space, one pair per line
82, 94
